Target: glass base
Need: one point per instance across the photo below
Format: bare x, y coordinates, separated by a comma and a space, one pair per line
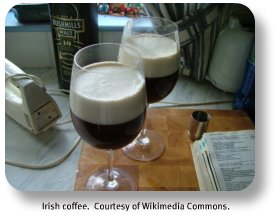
145, 148
122, 181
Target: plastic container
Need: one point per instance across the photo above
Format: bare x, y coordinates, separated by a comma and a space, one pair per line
229, 57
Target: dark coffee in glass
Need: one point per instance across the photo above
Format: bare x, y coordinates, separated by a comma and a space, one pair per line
157, 40
108, 105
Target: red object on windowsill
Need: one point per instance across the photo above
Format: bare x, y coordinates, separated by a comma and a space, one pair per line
117, 9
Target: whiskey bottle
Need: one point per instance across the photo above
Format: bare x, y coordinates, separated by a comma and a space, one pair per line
73, 26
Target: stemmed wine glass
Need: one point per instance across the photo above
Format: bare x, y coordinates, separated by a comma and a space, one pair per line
157, 40
108, 105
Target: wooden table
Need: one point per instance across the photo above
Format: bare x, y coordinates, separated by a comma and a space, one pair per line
174, 170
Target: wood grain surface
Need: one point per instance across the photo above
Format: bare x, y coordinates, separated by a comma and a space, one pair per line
174, 170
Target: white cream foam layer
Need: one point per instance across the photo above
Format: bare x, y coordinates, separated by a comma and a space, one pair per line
161, 56
108, 93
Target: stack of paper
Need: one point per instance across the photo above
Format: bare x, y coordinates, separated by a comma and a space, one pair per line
225, 161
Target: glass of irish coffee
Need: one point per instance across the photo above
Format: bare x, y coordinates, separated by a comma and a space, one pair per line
108, 105
157, 40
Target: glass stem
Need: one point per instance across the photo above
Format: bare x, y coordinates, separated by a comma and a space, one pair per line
143, 137
110, 155
111, 183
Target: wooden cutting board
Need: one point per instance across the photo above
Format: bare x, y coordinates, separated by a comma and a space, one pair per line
174, 170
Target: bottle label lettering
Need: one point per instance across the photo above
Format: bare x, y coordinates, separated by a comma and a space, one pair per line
67, 26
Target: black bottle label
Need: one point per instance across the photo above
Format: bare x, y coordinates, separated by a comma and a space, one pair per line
67, 26
72, 29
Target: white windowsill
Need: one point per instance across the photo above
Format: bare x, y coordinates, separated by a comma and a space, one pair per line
105, 23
